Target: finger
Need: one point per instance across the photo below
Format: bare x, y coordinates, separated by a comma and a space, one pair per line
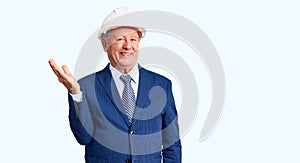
70, 79
60, 80
54, 66
66, 70
58, 73
56, 69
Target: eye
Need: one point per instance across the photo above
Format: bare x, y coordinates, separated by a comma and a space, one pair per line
134, 39
119, 39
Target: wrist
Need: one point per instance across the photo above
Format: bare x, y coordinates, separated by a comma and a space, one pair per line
75, 89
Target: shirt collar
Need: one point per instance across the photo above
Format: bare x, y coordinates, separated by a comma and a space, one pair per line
133, 72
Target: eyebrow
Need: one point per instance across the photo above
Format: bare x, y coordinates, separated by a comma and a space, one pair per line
129, 35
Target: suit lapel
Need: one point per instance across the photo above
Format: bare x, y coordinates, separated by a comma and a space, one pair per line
104, 78
145, 84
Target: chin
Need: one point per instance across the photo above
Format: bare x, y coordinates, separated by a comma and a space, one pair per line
126, 64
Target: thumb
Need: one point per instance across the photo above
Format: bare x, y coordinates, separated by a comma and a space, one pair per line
66, 69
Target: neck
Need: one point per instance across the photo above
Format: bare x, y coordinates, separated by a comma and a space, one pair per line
123, 69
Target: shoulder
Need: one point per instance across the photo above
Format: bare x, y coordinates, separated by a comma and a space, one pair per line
157, 78
89, 79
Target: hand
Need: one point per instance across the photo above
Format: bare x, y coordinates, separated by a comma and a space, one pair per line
65, 77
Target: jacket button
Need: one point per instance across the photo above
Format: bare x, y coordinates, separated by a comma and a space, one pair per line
131, 133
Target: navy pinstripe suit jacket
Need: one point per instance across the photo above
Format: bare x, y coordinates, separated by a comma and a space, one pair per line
99, 123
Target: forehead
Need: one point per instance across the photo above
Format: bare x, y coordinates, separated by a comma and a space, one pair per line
123, 31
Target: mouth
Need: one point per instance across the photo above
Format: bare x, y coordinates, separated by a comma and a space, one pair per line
126, 53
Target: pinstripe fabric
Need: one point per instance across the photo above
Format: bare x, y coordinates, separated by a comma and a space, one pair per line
128, 98
97, 122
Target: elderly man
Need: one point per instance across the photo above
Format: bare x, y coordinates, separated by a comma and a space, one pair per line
123, 113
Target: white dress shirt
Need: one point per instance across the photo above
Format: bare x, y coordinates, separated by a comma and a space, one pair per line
134, 74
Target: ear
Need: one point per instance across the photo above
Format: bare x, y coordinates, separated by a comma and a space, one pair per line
104, 44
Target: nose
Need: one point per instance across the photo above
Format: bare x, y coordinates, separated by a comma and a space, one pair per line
127, 44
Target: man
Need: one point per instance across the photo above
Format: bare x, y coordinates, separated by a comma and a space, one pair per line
123, 113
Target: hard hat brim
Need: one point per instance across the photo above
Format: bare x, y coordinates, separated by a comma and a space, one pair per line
103, 31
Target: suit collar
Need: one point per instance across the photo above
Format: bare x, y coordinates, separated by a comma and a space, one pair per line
134, 73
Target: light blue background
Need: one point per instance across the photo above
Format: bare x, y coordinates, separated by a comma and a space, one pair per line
258, 43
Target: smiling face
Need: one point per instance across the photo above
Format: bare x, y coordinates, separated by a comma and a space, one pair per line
122, 46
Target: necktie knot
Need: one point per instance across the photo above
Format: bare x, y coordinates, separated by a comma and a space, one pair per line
125, 78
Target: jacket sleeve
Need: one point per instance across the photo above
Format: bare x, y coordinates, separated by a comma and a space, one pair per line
78, 113
170, 136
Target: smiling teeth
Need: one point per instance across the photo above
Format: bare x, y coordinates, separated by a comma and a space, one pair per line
125, 53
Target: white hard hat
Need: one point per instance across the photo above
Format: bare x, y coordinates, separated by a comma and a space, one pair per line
120, 17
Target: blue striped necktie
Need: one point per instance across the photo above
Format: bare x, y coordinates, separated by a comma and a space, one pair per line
128, 98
